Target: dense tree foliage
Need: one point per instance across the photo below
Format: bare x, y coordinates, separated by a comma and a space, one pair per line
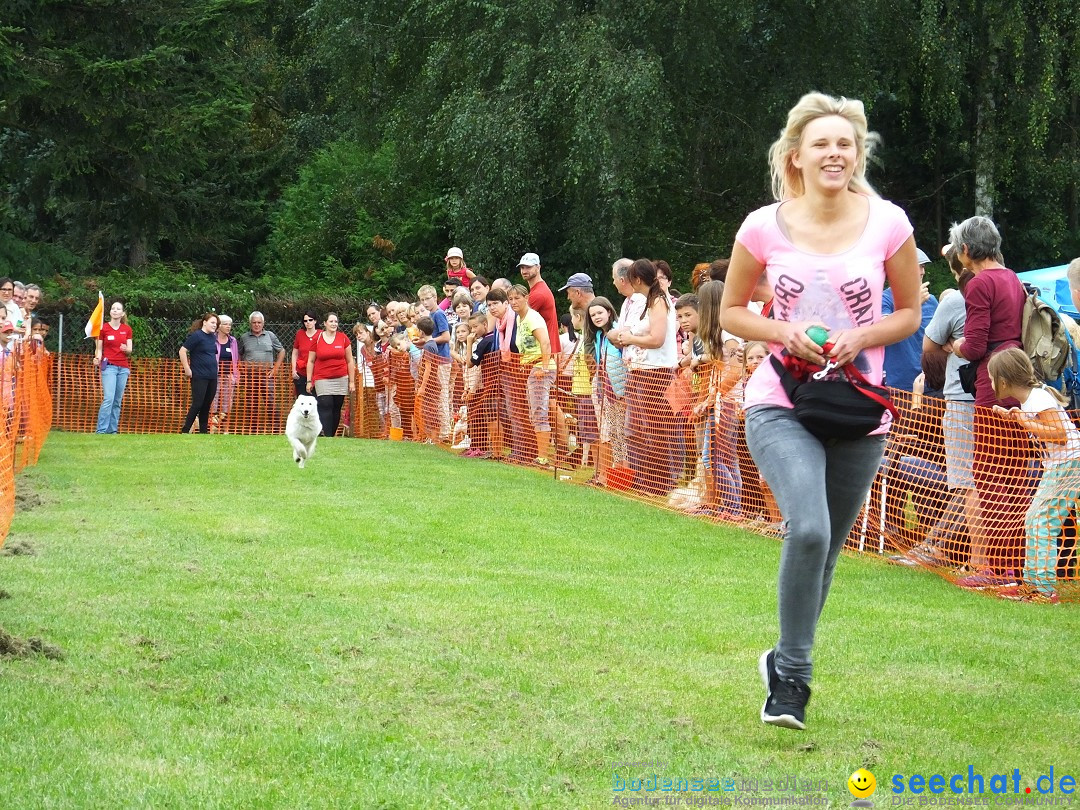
345, 143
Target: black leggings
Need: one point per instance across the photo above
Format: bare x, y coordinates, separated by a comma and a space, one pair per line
330, 412
202, 396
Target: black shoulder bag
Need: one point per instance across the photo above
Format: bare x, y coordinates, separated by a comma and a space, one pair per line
845, 407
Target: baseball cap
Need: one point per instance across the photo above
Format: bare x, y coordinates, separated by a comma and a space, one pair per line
7, 326
577, 280
452, 253
529, 260
922, 257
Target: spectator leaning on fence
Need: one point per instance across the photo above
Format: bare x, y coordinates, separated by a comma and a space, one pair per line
112, 351
994, 301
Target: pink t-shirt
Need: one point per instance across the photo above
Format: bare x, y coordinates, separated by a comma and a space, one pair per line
842, 290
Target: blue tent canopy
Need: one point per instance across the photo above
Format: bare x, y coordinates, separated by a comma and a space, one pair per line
1053, 287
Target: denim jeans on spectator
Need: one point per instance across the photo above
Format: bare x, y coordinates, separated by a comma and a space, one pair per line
820, 488
113, 384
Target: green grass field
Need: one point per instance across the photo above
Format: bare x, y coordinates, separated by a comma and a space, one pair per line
397, 627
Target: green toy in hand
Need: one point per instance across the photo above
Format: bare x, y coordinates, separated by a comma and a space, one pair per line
820, 336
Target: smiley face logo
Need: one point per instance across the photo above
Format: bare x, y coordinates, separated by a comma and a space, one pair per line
862, 784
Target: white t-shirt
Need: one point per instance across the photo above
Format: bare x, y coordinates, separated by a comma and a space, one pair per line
629, 314
667, 356
1053, 455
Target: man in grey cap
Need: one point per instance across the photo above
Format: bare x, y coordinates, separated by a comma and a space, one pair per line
903, 360
579, 291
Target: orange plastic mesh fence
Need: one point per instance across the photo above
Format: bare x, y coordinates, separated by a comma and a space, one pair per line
955, 492
25, 415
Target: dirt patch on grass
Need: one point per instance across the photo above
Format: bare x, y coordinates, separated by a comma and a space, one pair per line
18, 547
26, 497
4, 594
15, 647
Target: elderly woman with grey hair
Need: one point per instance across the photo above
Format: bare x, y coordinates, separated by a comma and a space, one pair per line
228, 352
994, 304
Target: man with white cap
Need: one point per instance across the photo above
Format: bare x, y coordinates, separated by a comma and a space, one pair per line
455, 267
903, 360
541, 299
579, 290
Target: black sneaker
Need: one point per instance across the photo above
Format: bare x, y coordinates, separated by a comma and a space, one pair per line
785, 698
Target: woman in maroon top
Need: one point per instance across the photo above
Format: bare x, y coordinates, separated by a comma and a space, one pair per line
994, 301
111, 353
331, 372
303, 343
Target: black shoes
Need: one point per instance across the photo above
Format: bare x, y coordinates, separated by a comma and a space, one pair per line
785, 698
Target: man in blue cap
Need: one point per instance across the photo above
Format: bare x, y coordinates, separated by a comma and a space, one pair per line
579, 291
903, 360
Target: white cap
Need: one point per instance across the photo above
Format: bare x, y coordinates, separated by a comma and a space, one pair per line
453, 253
529, 260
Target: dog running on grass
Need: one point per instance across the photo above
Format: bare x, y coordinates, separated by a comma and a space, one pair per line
302, 428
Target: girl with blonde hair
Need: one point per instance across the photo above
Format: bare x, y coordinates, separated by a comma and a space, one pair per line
1042, 415
826, 247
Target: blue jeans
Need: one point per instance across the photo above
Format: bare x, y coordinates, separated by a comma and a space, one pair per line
820, 488
113, 383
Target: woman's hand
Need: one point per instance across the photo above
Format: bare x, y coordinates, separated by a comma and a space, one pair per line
847, 344
187, 372
352, 385
308, 386
295, 376
798, 344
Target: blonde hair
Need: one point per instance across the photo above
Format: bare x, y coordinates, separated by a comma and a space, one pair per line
786, 179
1013, 367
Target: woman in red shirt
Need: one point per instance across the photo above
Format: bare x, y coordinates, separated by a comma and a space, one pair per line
303, 343
331, 373
112, 352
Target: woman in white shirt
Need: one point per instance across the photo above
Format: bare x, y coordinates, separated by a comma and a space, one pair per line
649, 420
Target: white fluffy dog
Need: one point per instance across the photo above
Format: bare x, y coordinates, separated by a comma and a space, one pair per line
302, 428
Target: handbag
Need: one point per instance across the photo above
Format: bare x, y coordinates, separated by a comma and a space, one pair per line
836, 408
967, 373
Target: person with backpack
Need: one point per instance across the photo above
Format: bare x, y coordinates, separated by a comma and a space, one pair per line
994, 303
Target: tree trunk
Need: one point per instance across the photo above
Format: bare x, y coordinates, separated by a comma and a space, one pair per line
984, 144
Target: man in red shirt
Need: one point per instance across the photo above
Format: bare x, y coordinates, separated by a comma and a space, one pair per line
541, 298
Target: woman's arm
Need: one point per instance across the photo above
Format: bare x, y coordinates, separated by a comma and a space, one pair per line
97, 350
184, 360
310, 367
351, 363
292, 360
542, 338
